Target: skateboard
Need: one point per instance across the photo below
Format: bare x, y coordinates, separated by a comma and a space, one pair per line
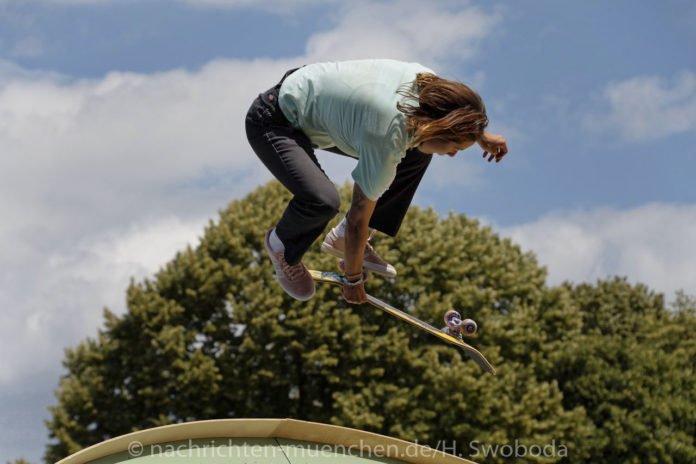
451, 333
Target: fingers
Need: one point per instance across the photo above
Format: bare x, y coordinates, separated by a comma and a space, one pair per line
491, 156
495, 147
502, 149
355, 295
355, 300
495, 152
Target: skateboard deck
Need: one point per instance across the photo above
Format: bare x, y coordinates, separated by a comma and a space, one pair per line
473, 353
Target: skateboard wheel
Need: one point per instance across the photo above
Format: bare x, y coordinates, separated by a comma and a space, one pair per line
453, 319
468, 327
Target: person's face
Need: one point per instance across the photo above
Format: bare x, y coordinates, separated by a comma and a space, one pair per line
443, 147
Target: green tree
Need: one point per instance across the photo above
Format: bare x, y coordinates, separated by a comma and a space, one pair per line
19, 461
632, 365
213, 336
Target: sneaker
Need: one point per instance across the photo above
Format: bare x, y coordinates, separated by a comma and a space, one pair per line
335, 245
295, 280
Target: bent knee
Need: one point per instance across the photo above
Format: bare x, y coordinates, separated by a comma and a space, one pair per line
325, 203
329, 202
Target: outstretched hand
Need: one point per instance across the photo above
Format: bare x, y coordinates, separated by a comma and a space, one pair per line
494, 146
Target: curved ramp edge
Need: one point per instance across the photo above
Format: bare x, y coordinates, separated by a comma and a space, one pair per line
288, 440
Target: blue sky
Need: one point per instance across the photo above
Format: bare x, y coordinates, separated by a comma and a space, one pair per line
121, 136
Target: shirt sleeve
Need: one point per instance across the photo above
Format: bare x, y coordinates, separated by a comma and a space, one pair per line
375, 170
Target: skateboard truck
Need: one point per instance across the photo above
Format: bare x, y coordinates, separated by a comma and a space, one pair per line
457, 327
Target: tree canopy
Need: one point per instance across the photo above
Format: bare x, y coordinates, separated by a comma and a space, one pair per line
598, 373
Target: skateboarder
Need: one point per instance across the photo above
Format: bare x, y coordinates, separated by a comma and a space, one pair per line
389, 115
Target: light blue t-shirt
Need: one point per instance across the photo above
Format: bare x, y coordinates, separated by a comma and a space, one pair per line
352, 105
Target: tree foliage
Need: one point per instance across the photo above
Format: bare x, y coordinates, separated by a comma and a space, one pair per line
604, 370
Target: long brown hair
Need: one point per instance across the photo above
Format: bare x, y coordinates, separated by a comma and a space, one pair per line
439, 108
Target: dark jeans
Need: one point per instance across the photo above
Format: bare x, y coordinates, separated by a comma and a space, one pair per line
288, 154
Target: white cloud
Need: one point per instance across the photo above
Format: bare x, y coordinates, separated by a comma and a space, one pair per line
406, 30
91, 172
269, 5
652, 244
433, 32
647, 108
105, 179
265, 4
104, 146
92, 168
63, 300
214, 3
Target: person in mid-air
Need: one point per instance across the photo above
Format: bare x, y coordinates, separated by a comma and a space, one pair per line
390, 115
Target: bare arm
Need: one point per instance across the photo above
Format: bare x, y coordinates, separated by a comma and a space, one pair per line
357, 225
